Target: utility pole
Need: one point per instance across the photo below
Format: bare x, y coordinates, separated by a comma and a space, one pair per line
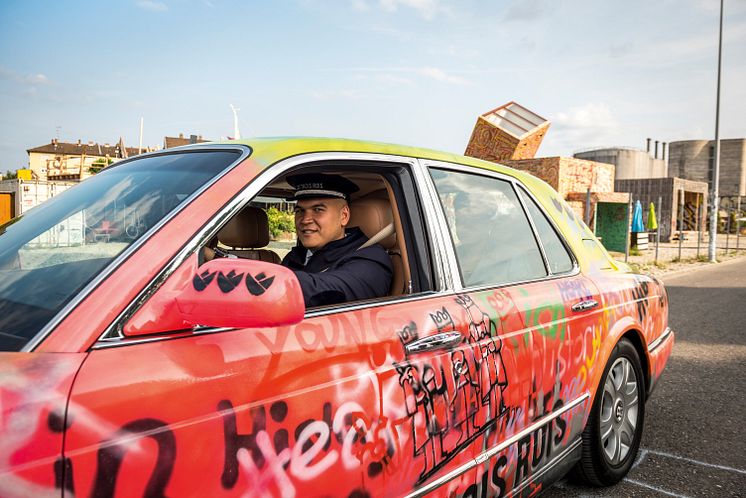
139, 148
712, 249
236, 133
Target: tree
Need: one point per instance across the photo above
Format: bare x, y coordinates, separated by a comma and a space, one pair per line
99, 164
10, 175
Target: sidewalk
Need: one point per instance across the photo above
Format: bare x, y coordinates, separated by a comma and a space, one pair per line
668, 254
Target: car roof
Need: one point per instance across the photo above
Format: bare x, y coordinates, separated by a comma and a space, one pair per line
268, 151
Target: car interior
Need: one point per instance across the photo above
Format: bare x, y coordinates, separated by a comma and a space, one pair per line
374, 209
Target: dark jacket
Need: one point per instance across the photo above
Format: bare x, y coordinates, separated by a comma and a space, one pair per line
339, 272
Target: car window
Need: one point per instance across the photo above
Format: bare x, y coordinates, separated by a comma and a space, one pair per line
50, 253
557, 256
492, 236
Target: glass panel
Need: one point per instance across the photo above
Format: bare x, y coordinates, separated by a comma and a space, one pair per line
557, 255
491, 233
50, 253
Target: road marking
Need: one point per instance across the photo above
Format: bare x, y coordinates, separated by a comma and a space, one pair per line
640, 457
696, 462
659, 490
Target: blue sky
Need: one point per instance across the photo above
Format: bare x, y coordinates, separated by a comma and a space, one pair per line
416, 72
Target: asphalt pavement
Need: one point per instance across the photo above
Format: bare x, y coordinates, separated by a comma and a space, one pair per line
694, 442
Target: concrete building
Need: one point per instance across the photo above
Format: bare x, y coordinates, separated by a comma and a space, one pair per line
694, 160
630, 162
677, 196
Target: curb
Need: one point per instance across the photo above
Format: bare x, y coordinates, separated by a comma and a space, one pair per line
699, 266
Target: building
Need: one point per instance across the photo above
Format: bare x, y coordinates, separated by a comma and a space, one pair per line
588, 187
694, 160
61, 161
630, 163
511, 135
170, 142
678, 197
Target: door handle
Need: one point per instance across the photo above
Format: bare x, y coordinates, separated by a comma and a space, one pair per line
443, 340
585, 305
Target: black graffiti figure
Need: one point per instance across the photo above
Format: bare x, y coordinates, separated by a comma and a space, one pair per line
489, 369
465, 398
426, 403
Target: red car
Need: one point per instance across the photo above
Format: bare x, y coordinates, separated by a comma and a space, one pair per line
510, 350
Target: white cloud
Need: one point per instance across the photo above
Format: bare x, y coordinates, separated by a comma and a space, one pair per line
335, 94
396, 80
440, 75
589, 125
31, 81
152, 5
360, 5
527, 10
426, 8
425, 71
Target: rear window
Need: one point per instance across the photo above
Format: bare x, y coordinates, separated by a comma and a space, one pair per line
53, 251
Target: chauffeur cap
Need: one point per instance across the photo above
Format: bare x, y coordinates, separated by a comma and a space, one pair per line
315, 185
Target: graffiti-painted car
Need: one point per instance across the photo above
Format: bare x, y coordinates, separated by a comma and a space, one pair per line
510, 350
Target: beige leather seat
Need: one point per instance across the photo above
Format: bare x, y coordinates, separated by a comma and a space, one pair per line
372, 214
245, 232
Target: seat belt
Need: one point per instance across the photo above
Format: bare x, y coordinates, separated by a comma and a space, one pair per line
382, 234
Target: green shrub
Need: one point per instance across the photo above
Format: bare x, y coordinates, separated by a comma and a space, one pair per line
280, 222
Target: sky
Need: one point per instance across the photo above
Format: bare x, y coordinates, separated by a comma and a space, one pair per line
414, 72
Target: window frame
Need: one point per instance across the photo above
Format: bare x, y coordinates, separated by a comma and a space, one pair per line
455, 272
243, 151
112, 335
523, 190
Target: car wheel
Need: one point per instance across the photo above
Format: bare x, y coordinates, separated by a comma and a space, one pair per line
612, 436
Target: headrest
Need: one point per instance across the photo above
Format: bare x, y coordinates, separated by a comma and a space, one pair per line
247, 230
372, 215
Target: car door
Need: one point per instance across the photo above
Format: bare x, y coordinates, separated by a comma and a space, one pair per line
519, 283
352, 401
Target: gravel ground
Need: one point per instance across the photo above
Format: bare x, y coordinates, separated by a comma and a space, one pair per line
668, 254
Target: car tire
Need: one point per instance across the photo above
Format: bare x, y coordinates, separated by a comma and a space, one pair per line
612, 435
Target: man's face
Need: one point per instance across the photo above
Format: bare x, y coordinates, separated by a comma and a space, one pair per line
320, 221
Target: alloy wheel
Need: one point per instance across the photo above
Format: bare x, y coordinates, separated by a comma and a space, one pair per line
619, 407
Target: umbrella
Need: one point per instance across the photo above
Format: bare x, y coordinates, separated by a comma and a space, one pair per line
637, 226
652, 221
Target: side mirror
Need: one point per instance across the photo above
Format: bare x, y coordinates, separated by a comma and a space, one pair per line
229, 292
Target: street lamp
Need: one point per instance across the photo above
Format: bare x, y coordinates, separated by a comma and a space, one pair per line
711, 252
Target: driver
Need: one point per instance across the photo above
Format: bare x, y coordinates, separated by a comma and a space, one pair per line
328, 259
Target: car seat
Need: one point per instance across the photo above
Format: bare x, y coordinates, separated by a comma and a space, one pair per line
245, 233
372, 214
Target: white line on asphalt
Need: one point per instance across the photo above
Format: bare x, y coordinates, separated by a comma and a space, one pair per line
640, 457
659, 490
696, 462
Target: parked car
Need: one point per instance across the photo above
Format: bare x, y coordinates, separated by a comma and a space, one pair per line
512, 348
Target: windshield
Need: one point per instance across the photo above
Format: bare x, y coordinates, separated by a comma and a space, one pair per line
50, 253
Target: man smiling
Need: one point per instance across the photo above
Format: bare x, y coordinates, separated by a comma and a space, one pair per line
328, 260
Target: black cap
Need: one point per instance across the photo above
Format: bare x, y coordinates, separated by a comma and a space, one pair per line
311, 185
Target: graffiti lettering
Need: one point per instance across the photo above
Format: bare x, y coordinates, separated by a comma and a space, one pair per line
112, 452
